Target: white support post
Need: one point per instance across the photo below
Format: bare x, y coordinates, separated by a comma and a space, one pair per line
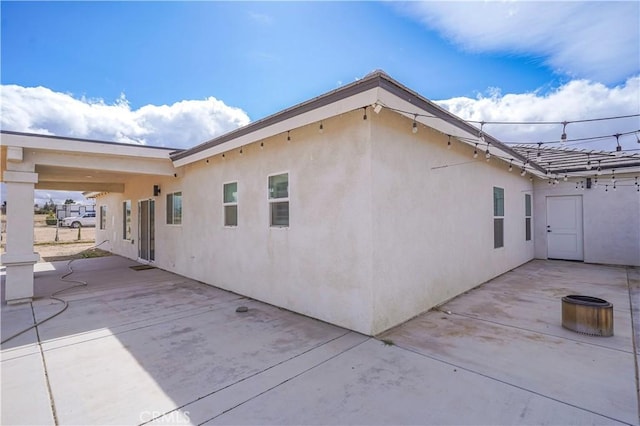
19, 257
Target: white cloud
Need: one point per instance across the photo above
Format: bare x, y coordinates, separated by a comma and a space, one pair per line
593, 40
576, 100
181, 125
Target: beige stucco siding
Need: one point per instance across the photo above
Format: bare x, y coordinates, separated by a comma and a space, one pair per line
319, 266
433, 225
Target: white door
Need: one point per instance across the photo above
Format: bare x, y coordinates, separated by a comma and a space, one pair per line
564, 227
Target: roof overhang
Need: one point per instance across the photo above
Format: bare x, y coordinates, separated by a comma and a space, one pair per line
375, 89
81, 165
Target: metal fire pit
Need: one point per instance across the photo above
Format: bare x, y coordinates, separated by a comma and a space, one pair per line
587, 315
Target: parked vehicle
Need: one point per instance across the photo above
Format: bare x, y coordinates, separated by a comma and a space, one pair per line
85, 219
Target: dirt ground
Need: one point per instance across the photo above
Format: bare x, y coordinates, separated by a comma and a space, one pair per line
68, 245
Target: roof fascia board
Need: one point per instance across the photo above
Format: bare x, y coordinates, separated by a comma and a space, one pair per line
293, 120
443, 120
365, 84
56, 143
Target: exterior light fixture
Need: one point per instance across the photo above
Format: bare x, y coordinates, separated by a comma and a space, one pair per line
377, 108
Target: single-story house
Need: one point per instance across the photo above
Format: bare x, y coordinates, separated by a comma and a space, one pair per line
362, 207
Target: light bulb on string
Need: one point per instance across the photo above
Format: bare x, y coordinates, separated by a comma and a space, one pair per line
261, 145
475, 151
539, 146
556, 181
595, 182
449, 142
614, 186
613, 175
566, 178
576, 186
563, 137
523, 172
487, 154
240, 150
414, 127
511, 165
582, 185
588, 162
364, 117
599, 169
618, 147
288, 136
321, 129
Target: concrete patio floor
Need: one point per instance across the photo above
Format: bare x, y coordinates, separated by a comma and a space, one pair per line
148, 346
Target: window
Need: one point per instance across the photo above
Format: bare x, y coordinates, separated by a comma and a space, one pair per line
230, 203
174, 208
103, 217
279, 200
498, 217
126, 220
527, 217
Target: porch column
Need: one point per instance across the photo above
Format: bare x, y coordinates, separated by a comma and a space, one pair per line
19, 257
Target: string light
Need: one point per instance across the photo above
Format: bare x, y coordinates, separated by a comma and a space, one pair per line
539, 146
566, 178
223, 155
288, 136
475, 151
563, 137
595, 182
240, 150
414, 128
481, 133
606, 188
599, 168
364, 117
261, 145
511, 165
613, 175
576, 186
321, 129
487, 154
582, 185
614, 186
449, 142
618, 147
523, 172
588, 162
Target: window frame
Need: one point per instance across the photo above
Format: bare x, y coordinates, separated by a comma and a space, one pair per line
126, 220
279, 200
498, 218
226, 204
528, 217
103, 217
171, 219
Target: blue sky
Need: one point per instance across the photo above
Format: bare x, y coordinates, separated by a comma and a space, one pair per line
261, 57
179, 73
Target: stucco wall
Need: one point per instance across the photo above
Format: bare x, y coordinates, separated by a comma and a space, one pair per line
433, 225
319, 266
611, 219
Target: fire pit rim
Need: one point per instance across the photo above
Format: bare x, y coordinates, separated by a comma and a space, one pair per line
578, 299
